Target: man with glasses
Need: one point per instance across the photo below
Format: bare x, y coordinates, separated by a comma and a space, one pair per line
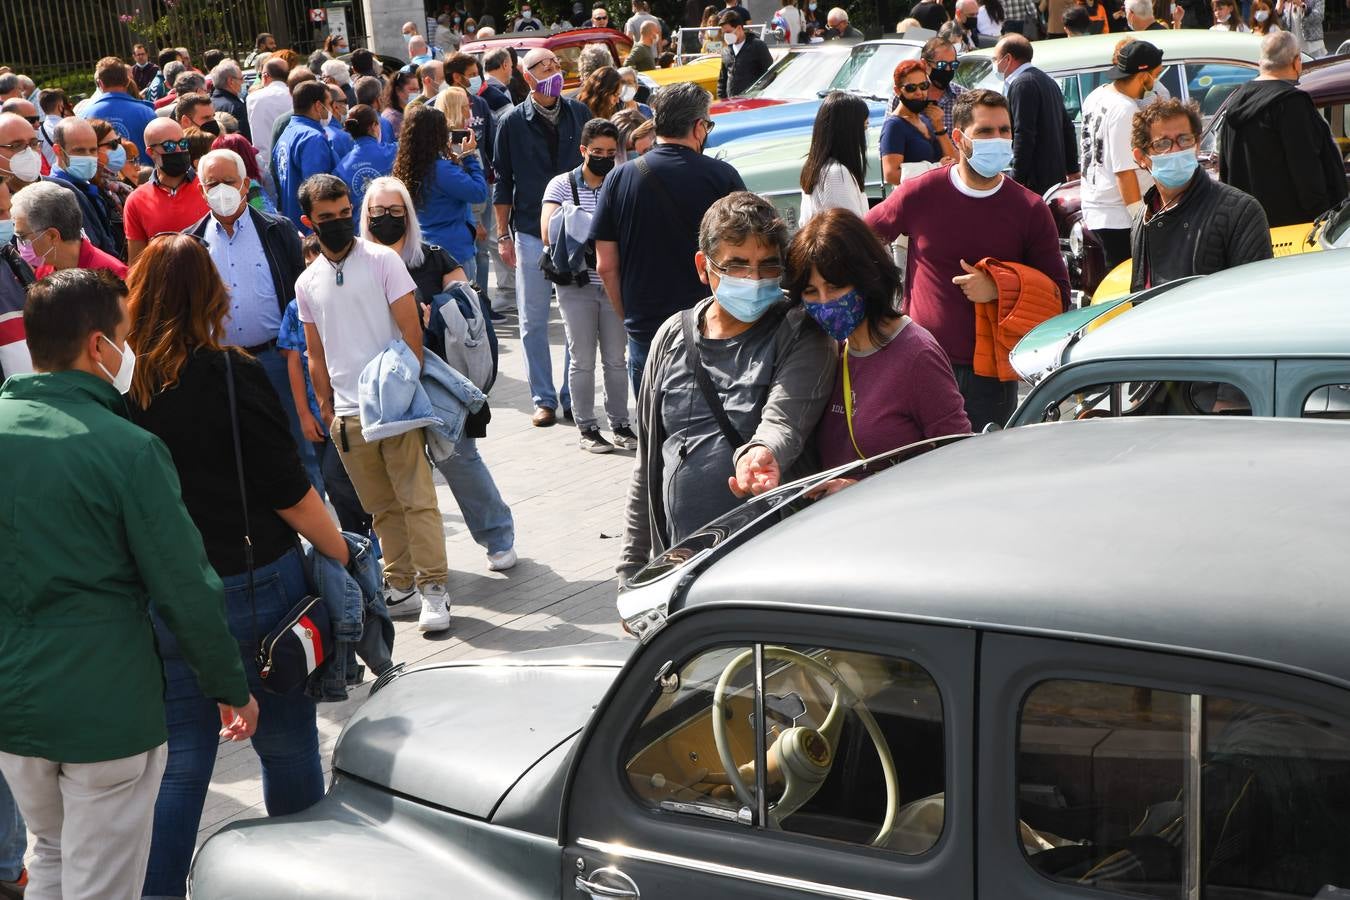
49, 231
540, 138
940, 56
734, 386
599, 18
1045, 145
170, 200
20, 158
1191, 224
646, 221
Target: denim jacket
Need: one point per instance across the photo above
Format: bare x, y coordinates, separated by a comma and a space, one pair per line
395, 395
361, 623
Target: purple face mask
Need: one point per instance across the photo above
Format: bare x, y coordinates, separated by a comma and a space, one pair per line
551, 86
840, 316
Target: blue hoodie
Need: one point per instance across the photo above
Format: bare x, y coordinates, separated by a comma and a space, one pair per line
301, 150
366, 161
127, 115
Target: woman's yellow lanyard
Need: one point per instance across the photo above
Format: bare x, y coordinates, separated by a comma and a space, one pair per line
848, 406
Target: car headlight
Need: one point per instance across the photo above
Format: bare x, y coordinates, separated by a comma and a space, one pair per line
1076, 240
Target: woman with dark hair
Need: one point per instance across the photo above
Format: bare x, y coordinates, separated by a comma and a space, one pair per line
989, 23
895, 383
1227, 17
335, 44
916, 132
257, 197
1264, 19
180, 392
368, 159
600, 92
836, 165
117, 176
402, 87
442, 181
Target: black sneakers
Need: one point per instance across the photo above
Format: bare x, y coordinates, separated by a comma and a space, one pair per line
624, 438
592, 441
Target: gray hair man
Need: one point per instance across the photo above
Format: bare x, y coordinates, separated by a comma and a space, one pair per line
645, 224
1139, 16
1295, 180
266, 104
592, 57
227, 81
48, 221
837, 21
770, 373
9, 86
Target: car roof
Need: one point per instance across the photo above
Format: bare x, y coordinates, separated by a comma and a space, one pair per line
1275, 308
1212, 536
1327, 80
1095, 50
564, 38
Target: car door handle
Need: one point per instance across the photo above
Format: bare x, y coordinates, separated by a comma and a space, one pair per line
608, 883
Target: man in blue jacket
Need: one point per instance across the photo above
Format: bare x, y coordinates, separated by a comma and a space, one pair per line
303, 148
540, 138
76, 166
127, 115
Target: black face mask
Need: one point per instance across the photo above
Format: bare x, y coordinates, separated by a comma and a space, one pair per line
941, 77
600, 165
915, 106
175, 165
387, 229
210, 126
336, 234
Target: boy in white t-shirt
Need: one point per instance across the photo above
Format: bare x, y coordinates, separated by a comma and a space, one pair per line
1113, 185
354, 300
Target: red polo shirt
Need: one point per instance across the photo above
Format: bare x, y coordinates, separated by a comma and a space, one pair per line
153, 208
90, 258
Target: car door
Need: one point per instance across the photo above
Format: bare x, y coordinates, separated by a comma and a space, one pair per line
1313, 388
1112, 772
649, 811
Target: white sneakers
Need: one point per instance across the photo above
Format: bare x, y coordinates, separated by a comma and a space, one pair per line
500, 562
435, 609
401, 601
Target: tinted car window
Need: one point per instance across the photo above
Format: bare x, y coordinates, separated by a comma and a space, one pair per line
850, 789
1150, 398
1211, 83
1331, 401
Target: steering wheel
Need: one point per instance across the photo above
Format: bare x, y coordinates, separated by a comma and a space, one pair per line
804, 756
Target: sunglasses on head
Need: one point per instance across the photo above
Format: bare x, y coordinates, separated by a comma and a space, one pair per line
179, 146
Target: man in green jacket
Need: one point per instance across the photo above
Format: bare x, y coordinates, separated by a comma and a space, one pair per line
94, 530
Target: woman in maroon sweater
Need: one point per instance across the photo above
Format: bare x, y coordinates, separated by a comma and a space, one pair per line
895, 383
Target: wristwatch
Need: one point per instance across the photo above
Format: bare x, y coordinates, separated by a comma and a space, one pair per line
503, 237
939, 132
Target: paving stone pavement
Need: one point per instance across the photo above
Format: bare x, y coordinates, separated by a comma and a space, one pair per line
568, 509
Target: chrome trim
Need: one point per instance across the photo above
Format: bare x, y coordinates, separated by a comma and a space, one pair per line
761, 752
627, 888
712, 868
1193, 811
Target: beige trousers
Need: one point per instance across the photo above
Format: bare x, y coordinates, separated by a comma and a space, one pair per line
91, 822
392, 478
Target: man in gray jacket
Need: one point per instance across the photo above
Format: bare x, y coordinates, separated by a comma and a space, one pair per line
732, 388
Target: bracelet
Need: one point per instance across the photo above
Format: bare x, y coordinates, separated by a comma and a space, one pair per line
939, 133
503, 237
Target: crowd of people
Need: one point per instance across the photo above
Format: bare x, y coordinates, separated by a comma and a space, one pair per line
225, 306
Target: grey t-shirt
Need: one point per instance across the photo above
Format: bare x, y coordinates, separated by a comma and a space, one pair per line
696, 456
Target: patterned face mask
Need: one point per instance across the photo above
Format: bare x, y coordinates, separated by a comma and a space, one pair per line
839, 317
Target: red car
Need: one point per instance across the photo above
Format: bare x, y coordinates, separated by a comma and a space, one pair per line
566, 45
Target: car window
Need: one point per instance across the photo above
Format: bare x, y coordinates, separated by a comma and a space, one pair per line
1331, 401
977, 72
854, 743
1149, 398
570, 59
1073, 100
796, 76
1103, 774
1338, 118
1211, 83
1170, 81
870, 69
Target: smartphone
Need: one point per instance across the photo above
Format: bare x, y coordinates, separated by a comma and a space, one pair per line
458, 136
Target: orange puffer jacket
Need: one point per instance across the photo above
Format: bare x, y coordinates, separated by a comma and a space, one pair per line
1026, 298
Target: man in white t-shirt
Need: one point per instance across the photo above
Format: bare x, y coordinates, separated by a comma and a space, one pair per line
1113, 185
354, 300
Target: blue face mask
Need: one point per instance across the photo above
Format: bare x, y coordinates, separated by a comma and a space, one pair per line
117, 159
839, 317
1174, 170
82, 167
746, 298
6, 231
990, 156
475, 84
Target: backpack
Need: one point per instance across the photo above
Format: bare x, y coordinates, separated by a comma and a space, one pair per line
458, 333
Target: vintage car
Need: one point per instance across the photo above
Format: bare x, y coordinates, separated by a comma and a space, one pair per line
566, 45
1326, 80
1264, 339
815, 679
867, 72
799, 74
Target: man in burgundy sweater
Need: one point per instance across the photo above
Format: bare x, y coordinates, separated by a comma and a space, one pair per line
957, 215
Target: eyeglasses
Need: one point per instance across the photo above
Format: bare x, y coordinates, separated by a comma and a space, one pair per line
1167, 144
32, 120
180, 146
601, 18
398, 212
709, 124
17, 146
763, 270
915, 87
550, 65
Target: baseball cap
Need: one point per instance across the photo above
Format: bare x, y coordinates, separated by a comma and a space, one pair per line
1133, 58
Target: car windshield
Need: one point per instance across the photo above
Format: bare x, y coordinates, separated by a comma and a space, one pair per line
796, 76
978, 72
870, 69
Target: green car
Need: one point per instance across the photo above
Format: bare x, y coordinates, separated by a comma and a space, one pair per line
1204, 66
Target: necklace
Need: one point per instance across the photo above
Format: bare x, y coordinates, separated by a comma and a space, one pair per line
337, 266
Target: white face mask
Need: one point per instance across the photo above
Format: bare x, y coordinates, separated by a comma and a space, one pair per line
627, 93
26, 165
122, 380
224, 200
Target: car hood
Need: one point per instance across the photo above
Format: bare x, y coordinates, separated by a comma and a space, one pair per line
742, 104
459, 736
736, 125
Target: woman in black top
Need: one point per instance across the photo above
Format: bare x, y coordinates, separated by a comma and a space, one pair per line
179, 392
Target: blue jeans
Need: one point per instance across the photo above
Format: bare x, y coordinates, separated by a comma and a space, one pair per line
13, 836
637, 360
274, 364
485, 514
534, 296
287, 739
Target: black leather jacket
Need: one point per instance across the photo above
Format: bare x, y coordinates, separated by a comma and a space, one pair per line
1214, 227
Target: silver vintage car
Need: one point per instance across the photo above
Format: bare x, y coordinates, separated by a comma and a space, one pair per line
1159, 708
